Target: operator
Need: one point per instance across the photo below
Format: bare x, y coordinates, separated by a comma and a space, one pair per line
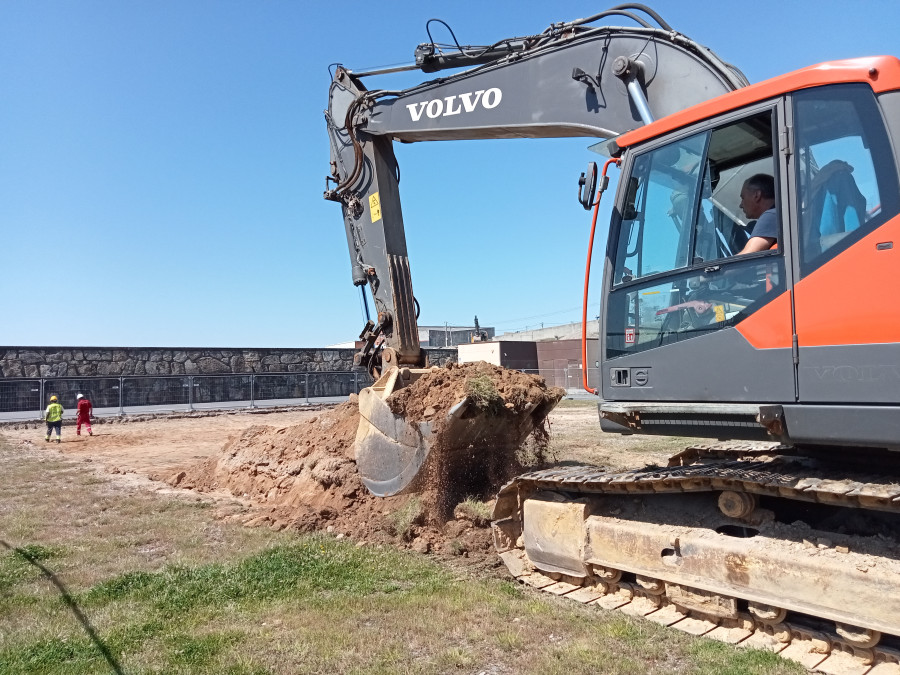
758, 203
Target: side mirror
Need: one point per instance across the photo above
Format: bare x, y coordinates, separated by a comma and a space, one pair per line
588, 180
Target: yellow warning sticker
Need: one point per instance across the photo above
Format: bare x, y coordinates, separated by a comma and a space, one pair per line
720, 312
375, 207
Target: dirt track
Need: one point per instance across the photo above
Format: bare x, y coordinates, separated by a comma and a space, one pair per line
156, 447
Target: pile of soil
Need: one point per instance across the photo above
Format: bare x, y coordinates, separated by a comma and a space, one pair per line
304, 477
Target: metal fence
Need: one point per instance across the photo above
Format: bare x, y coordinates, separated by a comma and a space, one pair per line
23, 397
569, 378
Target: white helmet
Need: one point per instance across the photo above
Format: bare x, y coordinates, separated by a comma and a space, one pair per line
79, 396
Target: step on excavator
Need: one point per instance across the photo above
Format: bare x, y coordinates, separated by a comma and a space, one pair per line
780, 343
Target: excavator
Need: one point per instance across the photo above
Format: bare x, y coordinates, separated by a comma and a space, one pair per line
781, 531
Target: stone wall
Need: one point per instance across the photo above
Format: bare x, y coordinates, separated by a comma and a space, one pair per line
53, 362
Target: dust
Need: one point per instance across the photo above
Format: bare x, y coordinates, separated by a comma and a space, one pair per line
303, 477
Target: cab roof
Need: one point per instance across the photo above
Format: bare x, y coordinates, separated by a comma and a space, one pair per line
882, 73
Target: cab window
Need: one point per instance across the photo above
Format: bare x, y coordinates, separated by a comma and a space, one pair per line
657, 214
677, 271
737, 152
846, 177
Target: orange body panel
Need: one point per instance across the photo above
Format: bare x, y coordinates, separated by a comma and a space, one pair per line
853, 298
770, 327
882, 73
850, 300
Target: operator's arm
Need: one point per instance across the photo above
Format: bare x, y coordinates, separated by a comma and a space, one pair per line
755, 244
764, 235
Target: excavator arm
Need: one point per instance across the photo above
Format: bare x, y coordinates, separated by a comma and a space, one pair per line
573, 79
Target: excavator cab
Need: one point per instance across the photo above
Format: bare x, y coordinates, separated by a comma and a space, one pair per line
787, 329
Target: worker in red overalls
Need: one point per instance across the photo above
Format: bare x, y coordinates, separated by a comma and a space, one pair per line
83, 415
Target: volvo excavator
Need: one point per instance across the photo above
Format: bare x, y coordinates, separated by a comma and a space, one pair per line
784, 536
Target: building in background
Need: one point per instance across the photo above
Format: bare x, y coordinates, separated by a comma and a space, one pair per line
517, 354
451, 336
554, 352
440, 336
566, 331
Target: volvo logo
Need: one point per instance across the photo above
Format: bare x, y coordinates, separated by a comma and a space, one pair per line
838, 374
454, 105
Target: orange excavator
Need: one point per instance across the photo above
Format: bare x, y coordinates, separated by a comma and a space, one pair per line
785, 536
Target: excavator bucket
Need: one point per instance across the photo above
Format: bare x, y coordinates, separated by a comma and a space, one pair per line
392, 451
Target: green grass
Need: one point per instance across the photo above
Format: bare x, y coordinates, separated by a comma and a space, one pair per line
715, 658
98, 576
483, 393
302, 571
320, 605
16, 565
172, 608
576, 403
403, 519
475, 510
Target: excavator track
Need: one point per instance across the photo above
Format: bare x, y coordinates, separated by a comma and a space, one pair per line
741, 544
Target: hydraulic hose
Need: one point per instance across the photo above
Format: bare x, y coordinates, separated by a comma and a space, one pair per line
587, 278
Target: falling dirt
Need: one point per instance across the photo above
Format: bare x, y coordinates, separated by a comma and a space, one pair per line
303, 477
509, 406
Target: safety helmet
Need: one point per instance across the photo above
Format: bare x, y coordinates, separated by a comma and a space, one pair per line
53, 399
79, 396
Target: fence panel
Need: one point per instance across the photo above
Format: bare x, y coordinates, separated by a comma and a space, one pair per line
279, 386
102, 391
337, 384
221, 389
20, 396
156, 391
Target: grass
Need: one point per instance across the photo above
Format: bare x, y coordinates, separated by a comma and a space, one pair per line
101, 577
577, 403
475, 510
403, 519
483, 392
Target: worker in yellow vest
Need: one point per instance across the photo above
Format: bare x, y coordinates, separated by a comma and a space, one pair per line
53, 416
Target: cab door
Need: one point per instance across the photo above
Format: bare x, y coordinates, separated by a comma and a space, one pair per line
846, 302
687, 317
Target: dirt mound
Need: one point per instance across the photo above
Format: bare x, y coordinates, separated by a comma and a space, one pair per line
301, 476
304, 477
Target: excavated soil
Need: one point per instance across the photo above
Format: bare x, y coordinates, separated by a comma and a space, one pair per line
303, 477
432, 395
510, 406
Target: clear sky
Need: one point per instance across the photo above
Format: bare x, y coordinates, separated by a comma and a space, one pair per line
162, 164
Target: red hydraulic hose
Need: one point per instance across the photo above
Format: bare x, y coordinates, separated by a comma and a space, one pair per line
587, 277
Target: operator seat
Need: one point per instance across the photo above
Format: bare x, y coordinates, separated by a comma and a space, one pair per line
836, 207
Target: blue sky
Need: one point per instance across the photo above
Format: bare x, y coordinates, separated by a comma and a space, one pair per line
162, 164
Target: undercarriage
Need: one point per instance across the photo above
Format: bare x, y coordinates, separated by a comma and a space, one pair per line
759, 547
